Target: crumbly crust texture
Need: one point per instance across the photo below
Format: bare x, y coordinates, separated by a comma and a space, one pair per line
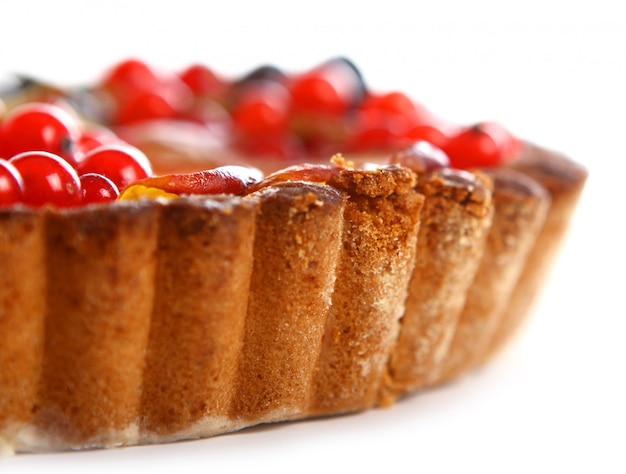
520, 207
381, 222
457, 215
204, 263
155, 321
296, 251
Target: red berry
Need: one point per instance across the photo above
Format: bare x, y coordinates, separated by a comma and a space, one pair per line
11, 184
485, 144
261, 108
97, 188
378, 129
39, 127
202, 81
95, 136
142, 107
429, 133
48, 179
129, 76
122, 164
332, 89
141, 93
170, 99
394, 102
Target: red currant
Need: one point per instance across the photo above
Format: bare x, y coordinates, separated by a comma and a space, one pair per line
393, 102
330, 89
429, 133
144, 106
122, 164
129, 76
202, 81
169, 99
95, 136
97, 188
378, 129
39, 127
485, 144
48, 179
11, 184
261, 108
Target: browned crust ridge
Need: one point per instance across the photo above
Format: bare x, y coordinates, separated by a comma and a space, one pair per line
520, 207
296, 250
156, 321
22, 311
564, 180
456, 217
204, 263
381, 222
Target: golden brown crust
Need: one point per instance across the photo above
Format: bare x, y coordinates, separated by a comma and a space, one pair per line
328, 269
381, 222
99, 300
520, 207
565, 181
22, 308
455, 220
201, 296
295, 255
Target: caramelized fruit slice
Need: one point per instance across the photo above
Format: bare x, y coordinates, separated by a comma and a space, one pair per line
223, 180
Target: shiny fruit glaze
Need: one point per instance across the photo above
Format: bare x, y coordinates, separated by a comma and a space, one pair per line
329, 89
260, 109
302, 116
202, 81
128, 77
96, 188
33, 176
485, 144
11, 184
267, 113
38, 126
48, 179
230, 179
421, 157
122, 164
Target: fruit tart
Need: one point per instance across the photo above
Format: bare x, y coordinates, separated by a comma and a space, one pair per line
185, 254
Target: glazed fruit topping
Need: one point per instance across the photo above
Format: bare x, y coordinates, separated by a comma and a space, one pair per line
261, 108
39, 126
96, 188
302, 116
48, 179
229, 179
121, 163
51, 156
332, 88
309, 172
11, 184
141, 93
485, 144
202, 81
421, 157
88, 164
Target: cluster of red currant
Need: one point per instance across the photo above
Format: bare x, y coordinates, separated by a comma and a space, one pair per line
317, 113
50, 157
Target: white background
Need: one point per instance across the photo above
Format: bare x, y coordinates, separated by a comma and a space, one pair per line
552, 71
